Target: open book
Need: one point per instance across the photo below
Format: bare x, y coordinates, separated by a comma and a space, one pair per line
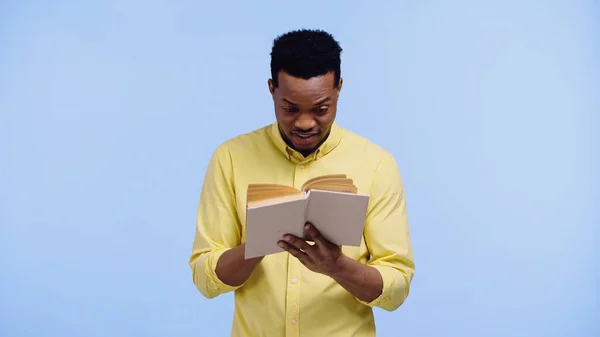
329, 202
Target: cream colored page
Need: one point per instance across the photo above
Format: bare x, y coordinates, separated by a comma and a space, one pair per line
340, 217
266, 225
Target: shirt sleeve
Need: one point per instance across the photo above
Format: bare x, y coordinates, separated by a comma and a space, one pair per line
387, 236
218, 228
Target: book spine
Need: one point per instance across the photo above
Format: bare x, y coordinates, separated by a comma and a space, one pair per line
306, 201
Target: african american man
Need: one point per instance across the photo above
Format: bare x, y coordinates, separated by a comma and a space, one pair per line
306, 290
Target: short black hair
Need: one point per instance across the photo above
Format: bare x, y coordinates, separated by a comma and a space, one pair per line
305, 53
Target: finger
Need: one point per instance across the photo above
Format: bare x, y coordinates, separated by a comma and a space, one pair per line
315, 235
297, 243
300, 255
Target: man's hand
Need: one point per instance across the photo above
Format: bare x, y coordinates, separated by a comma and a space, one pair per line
322, 257
362, 281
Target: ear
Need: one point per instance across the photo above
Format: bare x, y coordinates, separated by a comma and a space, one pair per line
339, 88
271, 86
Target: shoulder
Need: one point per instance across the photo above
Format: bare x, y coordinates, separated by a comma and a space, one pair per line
366, 147
385, 175
246, 142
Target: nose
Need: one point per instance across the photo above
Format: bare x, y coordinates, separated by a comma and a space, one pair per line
305, 122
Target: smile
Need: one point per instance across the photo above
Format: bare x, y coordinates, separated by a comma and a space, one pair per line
305, 138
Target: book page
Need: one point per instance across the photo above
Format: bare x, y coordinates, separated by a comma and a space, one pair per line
333, 187
257, 192
267, 224
319, 178
271, 195
340, 217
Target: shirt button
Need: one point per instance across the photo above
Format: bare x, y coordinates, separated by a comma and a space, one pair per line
294, 281
293, 322
302, 166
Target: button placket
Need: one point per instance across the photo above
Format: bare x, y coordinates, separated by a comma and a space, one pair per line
292, 307
292, 310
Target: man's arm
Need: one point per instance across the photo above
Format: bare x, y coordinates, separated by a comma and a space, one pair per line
324, 257
385, 280
233, 269
387, 237
217, 260
360, 280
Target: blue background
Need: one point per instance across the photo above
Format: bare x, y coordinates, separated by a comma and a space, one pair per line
109, 111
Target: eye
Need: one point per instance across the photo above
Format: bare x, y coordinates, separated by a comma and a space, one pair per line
290, 109
322, 110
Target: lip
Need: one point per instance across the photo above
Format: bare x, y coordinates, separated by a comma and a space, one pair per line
304, 141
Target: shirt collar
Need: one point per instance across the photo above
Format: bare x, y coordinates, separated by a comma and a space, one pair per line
335, 136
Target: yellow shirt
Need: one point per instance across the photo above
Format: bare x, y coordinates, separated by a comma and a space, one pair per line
282, 297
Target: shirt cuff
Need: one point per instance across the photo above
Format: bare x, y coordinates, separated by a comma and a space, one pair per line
214, 283
393, 292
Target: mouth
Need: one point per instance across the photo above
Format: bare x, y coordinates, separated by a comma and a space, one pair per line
304, 138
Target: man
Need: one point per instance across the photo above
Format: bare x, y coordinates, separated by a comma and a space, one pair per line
312, 288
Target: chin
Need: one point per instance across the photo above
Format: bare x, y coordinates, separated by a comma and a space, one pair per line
306, 144
305, 148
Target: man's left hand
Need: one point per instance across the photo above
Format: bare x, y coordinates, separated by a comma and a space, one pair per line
321, 257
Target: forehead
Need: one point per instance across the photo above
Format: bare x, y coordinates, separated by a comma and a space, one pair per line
298, 89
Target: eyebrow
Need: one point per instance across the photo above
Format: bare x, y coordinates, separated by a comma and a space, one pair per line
326, 99
319, 102
288, 101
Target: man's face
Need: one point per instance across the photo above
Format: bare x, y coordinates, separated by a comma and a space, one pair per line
305, 109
